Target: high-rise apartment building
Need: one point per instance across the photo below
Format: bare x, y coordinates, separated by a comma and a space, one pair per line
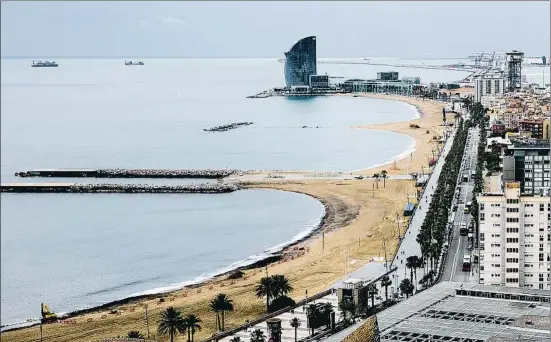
514, 238
488, 87
528, 162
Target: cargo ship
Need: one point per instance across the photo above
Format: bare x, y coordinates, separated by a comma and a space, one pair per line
133, 63
46, 64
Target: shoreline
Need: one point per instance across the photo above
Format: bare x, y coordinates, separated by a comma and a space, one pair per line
329, 222
270, 255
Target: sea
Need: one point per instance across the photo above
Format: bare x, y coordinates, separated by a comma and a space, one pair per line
75, 251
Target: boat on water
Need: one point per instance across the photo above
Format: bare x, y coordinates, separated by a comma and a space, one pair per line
46, 64
133, 63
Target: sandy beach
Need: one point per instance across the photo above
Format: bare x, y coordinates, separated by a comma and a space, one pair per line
357, 219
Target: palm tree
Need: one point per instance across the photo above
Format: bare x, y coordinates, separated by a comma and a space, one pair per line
418, 264
406, 287
258, 336
265, 288
312, 313
376, 176
192, 325
386, 282
410, 262
325, 310
135, 334
220, 305
235, 339
170, 323
372, 291
384, 176
281, 285
295, 323
348, 309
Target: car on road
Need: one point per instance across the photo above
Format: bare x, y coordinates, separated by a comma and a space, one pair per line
463, 231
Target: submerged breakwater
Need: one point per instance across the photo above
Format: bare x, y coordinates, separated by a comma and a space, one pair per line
129, 173
228, 127
118, 188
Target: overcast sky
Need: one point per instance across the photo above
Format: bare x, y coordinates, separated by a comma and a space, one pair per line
267, 29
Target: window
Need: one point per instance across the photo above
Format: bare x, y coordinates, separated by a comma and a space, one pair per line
542, 207
494, 235
495, 255
512, 230
512, 270
512, 240
513, 260
512, 280
512, 250
512, 210
493, 205
528, 215
481, 237
497, 224
488, 87
512, 201
495, 215
495, 245
496, 265
496, 86
512, 219
528, 205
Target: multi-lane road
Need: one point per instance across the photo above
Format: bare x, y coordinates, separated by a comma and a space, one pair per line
459, 245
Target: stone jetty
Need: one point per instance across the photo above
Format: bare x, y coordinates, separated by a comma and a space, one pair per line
129, 173
227, 127
118, 188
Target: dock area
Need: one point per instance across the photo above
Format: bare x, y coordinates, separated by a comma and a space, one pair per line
128, 173
21, 187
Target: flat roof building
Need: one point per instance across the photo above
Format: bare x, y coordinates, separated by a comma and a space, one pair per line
462, 312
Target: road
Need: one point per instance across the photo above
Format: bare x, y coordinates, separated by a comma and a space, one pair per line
459, 246
409, 245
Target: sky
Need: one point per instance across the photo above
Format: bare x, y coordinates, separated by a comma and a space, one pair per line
268, 29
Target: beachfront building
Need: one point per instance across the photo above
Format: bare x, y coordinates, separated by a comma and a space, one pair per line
514, 238
528, 162
300, 62
398, 87
488, 87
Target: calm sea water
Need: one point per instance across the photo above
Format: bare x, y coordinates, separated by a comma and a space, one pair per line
75, 251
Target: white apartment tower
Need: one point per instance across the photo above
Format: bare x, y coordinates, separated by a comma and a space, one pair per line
488, 87
514, 238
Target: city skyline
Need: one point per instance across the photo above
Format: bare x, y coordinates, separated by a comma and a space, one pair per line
268, 29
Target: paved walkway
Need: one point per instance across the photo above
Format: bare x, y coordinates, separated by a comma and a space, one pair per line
409, 245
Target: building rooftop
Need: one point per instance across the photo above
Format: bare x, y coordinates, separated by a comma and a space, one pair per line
451, 311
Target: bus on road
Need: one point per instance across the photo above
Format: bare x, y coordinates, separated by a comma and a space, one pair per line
466, 263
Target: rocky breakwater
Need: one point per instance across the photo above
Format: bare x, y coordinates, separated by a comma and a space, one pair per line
121, 188
130, 173
227, 127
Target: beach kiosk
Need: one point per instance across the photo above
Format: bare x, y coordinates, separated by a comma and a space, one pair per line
274, 329
354, 289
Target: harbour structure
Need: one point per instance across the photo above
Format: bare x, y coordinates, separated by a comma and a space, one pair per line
300, 62
117, 188
528, 163
514, 70
514, 238
462, 312
128, 173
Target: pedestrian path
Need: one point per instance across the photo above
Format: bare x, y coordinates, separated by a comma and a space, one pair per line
409, 245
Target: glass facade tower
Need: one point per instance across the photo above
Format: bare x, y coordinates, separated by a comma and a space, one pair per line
300, 62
